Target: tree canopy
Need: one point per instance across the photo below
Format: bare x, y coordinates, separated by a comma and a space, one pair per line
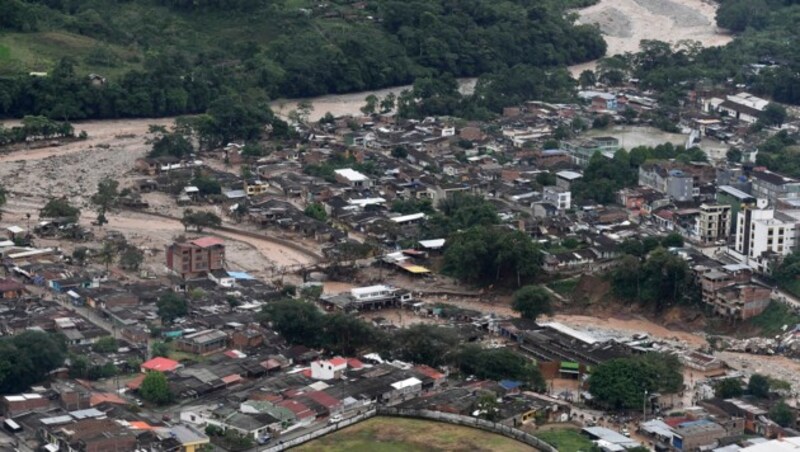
484, 254
60, 208
662, 279
531, 302
621, 383
27, 358
171, 306
155, 389
176, 57
200, 219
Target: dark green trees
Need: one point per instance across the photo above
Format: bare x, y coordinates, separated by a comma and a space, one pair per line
27, 359
623, 383
532, 302
155, 388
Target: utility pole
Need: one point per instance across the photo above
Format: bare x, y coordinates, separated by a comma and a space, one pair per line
644, 406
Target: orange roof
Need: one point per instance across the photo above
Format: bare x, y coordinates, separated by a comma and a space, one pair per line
429, 372
161, 364
99, 397
140, 425
205, 242
136, 382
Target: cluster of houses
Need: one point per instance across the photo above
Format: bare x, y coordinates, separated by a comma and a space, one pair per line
346, 179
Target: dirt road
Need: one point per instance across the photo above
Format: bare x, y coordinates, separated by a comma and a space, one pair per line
120, 133
275, 253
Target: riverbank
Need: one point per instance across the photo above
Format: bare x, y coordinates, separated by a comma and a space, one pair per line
625, 23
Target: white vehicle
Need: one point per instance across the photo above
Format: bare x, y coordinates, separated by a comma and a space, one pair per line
336, 418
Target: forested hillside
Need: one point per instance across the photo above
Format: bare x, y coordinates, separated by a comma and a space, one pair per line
168, 57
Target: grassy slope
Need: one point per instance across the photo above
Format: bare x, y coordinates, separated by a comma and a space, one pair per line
162, 27
385, 434
774, 318
566, 440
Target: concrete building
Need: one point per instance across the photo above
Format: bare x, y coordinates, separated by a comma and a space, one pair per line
203, 342
558, 197
364, 298
763, 236
737, 199
196, 258
773, 186
581, 152
12, 405
352, 178
729, 292
743, 106
565, 179
714, 222
674, 183
328, 369
691, 436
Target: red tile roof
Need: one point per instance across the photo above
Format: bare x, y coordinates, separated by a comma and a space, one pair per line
136, 382
205, 242
676, 421
354, 363
140, 425
323, 399
161, 364
338, 361
99, 397
299, 410
232, 378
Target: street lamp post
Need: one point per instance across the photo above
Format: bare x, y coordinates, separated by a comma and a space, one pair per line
644, 406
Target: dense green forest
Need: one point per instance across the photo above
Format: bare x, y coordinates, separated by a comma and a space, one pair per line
168, 57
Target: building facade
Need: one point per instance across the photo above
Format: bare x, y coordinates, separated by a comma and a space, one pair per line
196, 258
714, 222
765, 235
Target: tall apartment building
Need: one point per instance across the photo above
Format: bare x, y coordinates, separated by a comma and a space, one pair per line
765, 235
737, 199
714, 222
196, 258
558, 197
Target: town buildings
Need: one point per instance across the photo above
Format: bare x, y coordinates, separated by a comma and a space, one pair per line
198, 257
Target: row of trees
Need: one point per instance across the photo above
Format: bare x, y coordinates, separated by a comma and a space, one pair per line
35, 128
301, 322
199, 220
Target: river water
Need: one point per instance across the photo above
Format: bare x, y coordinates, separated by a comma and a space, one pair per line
350, 104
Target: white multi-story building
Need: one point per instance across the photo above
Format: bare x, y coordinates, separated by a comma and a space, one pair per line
762, 235
558, 197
